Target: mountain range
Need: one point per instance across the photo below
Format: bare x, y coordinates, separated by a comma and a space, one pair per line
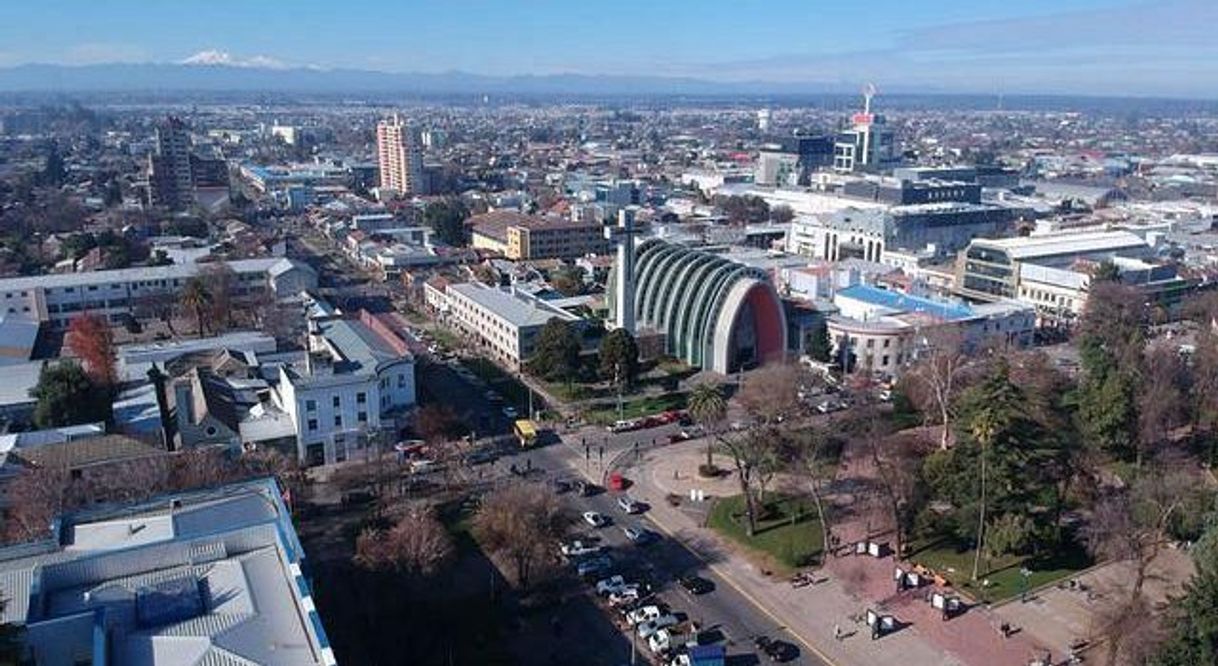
154, 77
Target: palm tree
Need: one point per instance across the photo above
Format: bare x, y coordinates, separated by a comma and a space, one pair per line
708, 408
196, 298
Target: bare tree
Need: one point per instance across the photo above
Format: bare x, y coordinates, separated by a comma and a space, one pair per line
416, 544
1161, 398
750, 451
812, 457
895, 460
220, 281
1128, 629
1132, 525
521, 523
936, 373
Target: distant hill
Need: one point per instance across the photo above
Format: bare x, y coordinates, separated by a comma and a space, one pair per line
227, 78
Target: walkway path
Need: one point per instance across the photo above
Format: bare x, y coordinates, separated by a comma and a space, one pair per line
853, 584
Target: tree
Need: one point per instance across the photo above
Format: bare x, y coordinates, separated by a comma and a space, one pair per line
708, 408
1161, 401
66, 395
1001, 462
416, 544
91, 340
435, 422
447, 220
568, 280
820, 347
1193, 619
769, 397
1106, 271
814, 451
782, 214
556, 354
219, 282
619, 358
1132, 525
197, 300
936, 373
521, 523
54, 173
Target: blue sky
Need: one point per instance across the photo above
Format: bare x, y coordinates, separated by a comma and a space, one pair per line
1095, 46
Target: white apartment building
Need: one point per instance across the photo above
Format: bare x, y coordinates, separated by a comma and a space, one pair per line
57, 298
357, 377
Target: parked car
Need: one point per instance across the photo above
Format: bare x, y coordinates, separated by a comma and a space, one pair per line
640, 536
643, 614
579, 548
776, 650
629, 505
560, 486
696, 585
594, 567
480, 457
595, 519
646, 629
585, 489
610, 585
510, 412
626, 595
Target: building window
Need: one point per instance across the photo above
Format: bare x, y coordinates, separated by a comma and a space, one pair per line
363, 417
312, 425
401, 381
338, 402
310, 405
338, 420
361, 398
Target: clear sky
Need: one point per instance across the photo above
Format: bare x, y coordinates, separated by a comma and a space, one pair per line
1094, 46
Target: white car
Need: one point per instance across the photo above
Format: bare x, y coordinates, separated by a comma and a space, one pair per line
579, 549
595, 519
610, 585
646, 629
644, 614
627, 504
626, 594
660, 641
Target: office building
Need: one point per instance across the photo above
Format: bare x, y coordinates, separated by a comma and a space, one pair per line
904, 192
504, 323
523, 237
869, 145
124, 292
214, 576
1053, 272
400, 157
939, 228
790, 161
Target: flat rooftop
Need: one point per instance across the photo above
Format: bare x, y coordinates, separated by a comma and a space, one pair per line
517, 309
1049, 245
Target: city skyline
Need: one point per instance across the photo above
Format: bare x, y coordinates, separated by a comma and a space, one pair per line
1102, 47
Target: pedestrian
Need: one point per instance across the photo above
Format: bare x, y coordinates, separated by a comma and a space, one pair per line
837, 632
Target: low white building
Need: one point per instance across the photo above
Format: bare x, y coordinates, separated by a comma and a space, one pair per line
503, 322
115, 293
882, 331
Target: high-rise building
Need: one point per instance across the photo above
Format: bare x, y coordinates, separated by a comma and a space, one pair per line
400, 156
869, 145
170, 181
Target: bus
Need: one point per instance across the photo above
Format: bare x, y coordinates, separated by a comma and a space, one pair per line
525, 431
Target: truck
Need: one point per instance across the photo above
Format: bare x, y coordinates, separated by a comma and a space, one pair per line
526, 432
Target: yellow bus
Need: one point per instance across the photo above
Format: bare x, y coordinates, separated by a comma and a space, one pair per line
525, 431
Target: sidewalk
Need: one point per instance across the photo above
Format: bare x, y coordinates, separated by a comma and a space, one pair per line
811, 613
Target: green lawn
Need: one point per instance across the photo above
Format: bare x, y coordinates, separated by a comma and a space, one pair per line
1003, 573
788, 538
633, 408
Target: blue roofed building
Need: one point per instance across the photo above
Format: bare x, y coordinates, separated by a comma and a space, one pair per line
882, 331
